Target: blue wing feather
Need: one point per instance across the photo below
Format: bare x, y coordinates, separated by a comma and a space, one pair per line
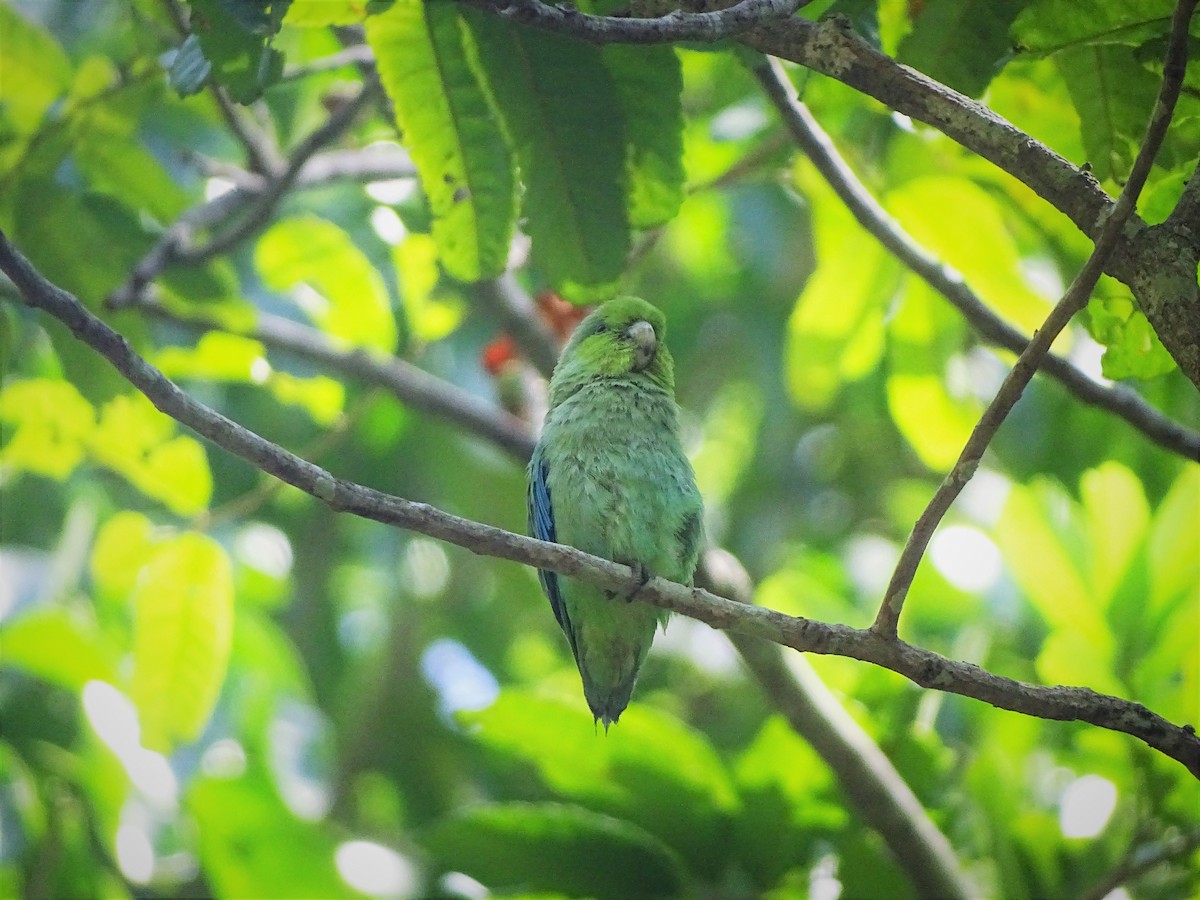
541, 524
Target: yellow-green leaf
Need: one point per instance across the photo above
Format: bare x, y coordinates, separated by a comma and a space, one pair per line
330, 279
123, 546
1117, 516
49, 425
139, 442
322, 398
453, 133
217, 356
430, 317
183, 622
58, 646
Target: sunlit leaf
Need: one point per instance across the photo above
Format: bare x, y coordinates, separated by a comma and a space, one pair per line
1116, 516
49, 424
217, 356
34, 72
835, 333
562, 109
922, 337
336, 285
452, 131
319, 13
1174, 543
321, 397
124, 544
555, 848
136, 440
60, 646
183, 622
429, 316
1131, 346
962, 224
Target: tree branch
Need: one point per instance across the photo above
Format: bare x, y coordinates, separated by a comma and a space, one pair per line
921, 666
1076, 297
368, 164
1142, 860
514, 309
677, 25
879, 793
820, 149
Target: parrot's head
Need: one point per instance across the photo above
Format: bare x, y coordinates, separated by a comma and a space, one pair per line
623, 338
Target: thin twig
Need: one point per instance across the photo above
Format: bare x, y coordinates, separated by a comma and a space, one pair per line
675, 26
819, 148
923, 667
1142, 860
1076, 297
514, 309
368, 164
411, 385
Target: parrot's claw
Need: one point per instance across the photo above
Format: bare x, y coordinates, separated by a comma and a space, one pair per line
641, 578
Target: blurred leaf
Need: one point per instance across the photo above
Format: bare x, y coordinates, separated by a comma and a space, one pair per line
835, 333
217, 356
321, 397
252, 846
922, 336
1045, 26
58, 646
139, 442
183, 606
320, 13
451, 129
652, 769
1174, 544
562, 109
236, 38
34, 72
1114, 97
1116, 516
430, 317
556, 848
963, 225
124, 544
344, 294
649, 83
49, 426
943, 28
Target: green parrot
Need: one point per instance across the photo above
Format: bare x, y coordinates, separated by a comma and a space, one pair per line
609, 477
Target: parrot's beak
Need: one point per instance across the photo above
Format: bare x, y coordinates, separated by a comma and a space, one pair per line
645, 343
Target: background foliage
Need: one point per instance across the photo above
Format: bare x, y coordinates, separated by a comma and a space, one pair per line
211, 683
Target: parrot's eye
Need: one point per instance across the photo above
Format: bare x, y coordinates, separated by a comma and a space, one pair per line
600, 328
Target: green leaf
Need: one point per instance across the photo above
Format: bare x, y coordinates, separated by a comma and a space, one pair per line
236, 38
453, 133
961, 43
34, 72
217, 356
429, 316
649, 83
60, 646
321, 13
924, 336
1116, 517
835, 333
1045, 26
652, 769
183, 620
1174, 544
562, 109
321, 397
964, 226
124, 544
345, 295
136, 440
250, 844
1114, 96
1043, 542
1131, 346
555, 848
49, 426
